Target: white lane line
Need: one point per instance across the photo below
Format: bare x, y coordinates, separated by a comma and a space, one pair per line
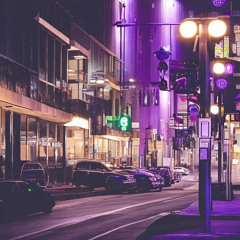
129, 224
92, 216
169, 200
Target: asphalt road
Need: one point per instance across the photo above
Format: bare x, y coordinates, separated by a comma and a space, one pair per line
123, 216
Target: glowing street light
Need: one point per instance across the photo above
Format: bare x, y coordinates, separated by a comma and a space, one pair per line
218, 68
188, 29
214, 109
217, 28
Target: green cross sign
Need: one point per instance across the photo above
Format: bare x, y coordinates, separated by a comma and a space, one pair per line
125, 123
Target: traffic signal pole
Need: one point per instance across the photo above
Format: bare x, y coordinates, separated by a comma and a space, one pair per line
220, 137
204, 164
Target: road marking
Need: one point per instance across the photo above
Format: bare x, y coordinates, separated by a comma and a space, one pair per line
169, 200
92, 216
129, 224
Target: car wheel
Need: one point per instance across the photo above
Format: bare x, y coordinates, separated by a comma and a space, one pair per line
143, 186
116, 186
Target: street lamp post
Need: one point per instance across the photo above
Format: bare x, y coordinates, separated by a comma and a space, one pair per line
204, 165
206, 26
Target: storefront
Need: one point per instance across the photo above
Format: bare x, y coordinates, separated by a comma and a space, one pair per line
113, 147
28, 138
77, 145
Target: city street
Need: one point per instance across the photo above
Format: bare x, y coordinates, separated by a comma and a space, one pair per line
123, 216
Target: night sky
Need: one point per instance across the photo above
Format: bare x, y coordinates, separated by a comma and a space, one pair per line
88, 14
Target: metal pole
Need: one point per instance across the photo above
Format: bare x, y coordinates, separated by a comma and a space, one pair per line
219, 137
229, 164
204, 165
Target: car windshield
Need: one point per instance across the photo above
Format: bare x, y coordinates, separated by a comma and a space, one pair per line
108, 165
30, 166
163, 171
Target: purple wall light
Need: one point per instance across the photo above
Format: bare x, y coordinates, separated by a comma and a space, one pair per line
218, 3
221, 83
229, 69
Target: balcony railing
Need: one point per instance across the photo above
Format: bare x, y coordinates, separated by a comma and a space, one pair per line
78, 107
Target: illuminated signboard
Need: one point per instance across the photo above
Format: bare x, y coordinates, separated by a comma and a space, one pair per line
125, 123
226, 46
222, 48
219, 49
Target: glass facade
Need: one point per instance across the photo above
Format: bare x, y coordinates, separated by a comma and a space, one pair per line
2, 143
75, 146
34, 63
53, 86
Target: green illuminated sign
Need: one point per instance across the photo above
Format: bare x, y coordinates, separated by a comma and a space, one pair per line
125, 123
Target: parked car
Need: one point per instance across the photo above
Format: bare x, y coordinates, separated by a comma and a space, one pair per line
145, 180
166, 173
94, 173
33, 172
182, 170
19, 199
177, 176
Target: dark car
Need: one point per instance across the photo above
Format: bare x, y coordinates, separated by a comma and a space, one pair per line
177, 176
100, 174
145, 180
33, 172
166, 173
19, 199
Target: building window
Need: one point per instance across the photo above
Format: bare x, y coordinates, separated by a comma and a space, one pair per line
64, 67
59, 145
42, 144
31, 139
51, 145
57, 63
50, 59
116, 107
42, 53
23, 137
2, 143
33, 87
75, 144
42, 91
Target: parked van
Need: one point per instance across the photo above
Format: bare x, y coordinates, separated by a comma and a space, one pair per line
33, 173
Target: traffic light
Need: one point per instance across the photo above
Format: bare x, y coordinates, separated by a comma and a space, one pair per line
162, 55
223, 72
225, 83
162, 84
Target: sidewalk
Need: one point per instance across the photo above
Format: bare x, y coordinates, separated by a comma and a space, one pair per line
225, 223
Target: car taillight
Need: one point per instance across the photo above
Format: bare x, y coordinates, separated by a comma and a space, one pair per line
153, 179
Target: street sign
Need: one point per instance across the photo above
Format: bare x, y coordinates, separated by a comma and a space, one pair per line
154, 131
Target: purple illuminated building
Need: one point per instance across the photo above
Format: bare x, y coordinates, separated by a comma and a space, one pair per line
141, 28
134, 30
